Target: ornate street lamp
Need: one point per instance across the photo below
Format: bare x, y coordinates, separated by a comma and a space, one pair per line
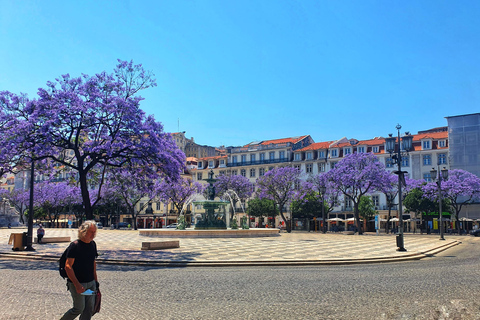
396, 152
442, 175
323, 189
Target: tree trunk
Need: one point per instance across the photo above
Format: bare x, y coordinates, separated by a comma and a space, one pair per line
288, 225
85, 195
357, 218
388, 219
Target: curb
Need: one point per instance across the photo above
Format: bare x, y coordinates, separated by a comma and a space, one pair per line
177, 264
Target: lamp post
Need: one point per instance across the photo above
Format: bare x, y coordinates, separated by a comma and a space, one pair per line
323, 189
396, 151
442, 175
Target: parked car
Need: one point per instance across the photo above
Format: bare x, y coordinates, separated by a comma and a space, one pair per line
173, 225
122, 225
475, 233
99, 225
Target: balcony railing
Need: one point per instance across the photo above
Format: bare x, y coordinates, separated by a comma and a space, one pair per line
260, 147
250, 163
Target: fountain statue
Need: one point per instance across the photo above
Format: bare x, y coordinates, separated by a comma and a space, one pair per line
215, 215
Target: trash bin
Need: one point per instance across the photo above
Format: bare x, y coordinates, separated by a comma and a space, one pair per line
17, 239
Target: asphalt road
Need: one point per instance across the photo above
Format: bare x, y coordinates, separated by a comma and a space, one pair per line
441, 287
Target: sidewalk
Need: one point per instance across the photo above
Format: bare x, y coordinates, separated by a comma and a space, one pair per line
296, 248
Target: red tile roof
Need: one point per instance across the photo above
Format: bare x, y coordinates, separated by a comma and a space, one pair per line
316, 146
278, 141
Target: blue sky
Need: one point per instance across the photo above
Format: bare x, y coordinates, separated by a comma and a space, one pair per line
232, 72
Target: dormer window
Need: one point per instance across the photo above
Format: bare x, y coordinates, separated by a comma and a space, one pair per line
334, 153
442, 143
426, 145
375, 149
297, 157
200, 165
309, 156
360, 149
210, 164
321, 154
347, 151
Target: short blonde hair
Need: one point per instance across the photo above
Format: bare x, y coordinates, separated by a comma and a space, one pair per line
83, 229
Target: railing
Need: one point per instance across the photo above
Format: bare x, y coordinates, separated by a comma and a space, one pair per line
249, 163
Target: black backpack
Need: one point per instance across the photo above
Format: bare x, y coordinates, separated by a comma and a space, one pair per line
61, 262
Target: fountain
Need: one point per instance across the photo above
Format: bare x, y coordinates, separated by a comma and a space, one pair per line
213, 223
215, 215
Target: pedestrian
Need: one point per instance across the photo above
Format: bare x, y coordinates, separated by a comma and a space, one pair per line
81, 269
40, 233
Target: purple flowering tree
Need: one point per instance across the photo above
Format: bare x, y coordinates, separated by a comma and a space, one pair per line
92, 123
329, 198
179, 192
132, 185
281, 185
241, 186
461, 188
356, 175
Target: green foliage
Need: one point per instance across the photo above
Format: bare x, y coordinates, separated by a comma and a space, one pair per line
244, 222
366, 208
234, 224
261, 208
309, 207
181, 223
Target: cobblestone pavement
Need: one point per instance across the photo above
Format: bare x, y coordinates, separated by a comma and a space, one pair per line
116, 246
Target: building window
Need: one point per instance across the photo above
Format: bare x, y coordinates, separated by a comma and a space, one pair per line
234, 159
426, 145
234, 172
427, 159
252, 158
222, 162
252, 173
361, 149
282, 155
297, 166
199, 176
244, 158
158, 206
442, 143
297, 156
376, 200
243, 172
262, 156
375, 149
347, 151
222, 172
261, 172
388, 162
333, 164
321, 167
309, 168
210, 164
348, 203
309, 156
271, 155
405, 161
442, 158
427, 177
321, 154
334, 153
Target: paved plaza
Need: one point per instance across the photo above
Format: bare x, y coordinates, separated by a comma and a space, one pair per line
307, 248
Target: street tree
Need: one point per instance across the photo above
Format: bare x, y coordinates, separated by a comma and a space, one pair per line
261, 207
132, 184
95, 122
366, 208
281, 184
356, 175
461, 188
179, 193
238, 188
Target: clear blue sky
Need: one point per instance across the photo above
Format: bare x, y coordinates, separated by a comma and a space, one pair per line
232, 72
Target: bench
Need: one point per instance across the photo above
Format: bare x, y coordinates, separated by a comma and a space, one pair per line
52, 239
155, 245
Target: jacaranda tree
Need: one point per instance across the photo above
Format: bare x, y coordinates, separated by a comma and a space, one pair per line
281, 184
461, 188
238, 187
356, 175
96, 122
179, 192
